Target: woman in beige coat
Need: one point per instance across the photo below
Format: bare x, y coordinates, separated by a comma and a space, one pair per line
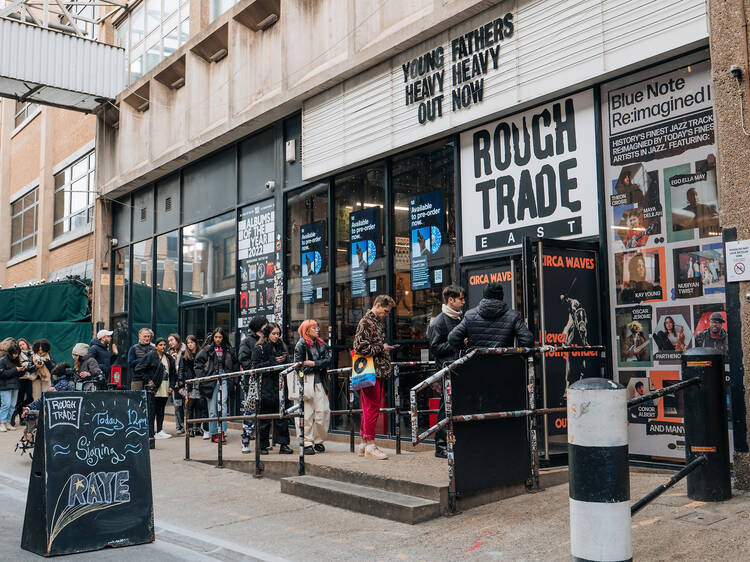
44, 365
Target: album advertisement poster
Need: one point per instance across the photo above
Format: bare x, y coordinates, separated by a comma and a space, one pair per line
259, 262
363, 234
312, 257
571, 317
666, 261
426, 230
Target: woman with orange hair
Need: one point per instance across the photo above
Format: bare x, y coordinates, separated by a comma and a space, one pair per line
315, 357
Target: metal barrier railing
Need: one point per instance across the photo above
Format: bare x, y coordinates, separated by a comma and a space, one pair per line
531, 412
298, 410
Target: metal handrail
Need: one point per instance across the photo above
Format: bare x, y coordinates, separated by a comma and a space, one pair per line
258, 371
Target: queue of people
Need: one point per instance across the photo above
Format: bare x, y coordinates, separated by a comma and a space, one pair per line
164, 365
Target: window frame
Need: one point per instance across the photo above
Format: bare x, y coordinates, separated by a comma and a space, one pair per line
27, 111
21, 242
67, 188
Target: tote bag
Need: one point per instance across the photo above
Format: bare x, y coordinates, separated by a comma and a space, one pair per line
363, 372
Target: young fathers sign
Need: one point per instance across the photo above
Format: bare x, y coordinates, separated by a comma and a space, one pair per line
531, 174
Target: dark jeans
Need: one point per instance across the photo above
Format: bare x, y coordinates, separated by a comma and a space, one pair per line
25, 395
179, 412
269, 404
195, 411
160, 402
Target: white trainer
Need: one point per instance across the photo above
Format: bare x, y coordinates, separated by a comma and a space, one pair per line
206, 435
372, 452
361, 449
246, 449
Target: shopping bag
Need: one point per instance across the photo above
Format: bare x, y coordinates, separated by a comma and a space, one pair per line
363, 372
292, 385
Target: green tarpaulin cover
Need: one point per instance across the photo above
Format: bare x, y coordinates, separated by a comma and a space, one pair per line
54, 311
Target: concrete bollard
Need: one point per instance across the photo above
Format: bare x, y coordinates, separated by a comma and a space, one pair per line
599, 481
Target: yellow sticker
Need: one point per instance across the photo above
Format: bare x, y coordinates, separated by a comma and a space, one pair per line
699, 363
703, 449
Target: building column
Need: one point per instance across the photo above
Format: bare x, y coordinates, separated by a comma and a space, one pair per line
6, 126
728, 22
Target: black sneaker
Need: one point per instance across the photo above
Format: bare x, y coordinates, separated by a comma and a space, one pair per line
264, 451
309, 450
441, 453
285, 450
319, 448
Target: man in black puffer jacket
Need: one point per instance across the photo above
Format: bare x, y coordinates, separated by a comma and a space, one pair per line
491, 324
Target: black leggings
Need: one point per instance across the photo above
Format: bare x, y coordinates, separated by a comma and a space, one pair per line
25, 395
160, 402
195, 411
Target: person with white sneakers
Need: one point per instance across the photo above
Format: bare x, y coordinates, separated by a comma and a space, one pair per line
157, 369
369, 340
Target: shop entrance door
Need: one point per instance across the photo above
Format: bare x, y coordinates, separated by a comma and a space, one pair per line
563, 305
201, 319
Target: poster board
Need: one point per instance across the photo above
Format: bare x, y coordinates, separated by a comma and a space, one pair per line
665, 253
90, 483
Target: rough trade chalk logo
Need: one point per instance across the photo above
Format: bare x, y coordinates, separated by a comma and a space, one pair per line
64, 411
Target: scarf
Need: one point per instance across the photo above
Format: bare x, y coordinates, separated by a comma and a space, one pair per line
450, 313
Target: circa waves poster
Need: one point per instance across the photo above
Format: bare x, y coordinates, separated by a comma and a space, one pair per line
312, 254
363, 234
426, 228
530, 174
666, 260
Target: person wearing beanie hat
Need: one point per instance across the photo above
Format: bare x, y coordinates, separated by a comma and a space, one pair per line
250, 383
87, 368
492, 323
715, 335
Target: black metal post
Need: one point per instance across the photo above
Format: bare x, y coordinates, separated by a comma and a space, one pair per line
706, 431
659, 490
531, 404
151, 416
301, 414
351, 416
219, 395
186, 422
397, 411
450, 438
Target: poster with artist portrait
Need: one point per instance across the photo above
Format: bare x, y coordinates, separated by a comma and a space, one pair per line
426, 230
663, 232
634, 336
571, 318
637, 383
640, 276
363, 236
672, 333
312, 257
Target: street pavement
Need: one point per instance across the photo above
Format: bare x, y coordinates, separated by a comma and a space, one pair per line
205, 513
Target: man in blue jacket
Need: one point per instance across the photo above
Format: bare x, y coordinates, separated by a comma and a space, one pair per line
103, 350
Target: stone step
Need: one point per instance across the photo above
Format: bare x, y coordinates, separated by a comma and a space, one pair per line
362, 499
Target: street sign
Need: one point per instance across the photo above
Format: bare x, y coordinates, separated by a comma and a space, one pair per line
738, 260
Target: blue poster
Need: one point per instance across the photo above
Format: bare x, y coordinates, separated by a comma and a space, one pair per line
312, 250
363, 235
426, 225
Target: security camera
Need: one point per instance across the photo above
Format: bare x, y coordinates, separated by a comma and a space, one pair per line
115, 241
736, 72
270, 185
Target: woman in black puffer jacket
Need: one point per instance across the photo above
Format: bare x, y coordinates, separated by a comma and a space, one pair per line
270, 351
216, 358
10, 371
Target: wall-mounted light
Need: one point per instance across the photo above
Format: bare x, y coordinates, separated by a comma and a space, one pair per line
268, 21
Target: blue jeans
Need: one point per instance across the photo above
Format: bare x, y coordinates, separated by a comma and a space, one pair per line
7, 404
213, 427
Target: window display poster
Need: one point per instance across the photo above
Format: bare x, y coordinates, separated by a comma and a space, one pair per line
363, 235
530, 174
666, 259
312, 250
571, 317
258, 262
426, 228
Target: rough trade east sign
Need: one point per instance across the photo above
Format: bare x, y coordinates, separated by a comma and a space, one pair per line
531, 174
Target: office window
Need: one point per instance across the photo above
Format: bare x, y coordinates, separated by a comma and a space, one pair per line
23, 110
74, 196
218, 7
151, 32
23, 223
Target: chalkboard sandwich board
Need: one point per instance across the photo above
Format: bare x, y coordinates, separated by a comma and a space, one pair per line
90, 484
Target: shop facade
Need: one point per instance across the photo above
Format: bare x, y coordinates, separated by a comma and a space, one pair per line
432, 168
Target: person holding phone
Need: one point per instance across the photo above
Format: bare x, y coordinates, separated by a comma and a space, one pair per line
369, 341
269, 351
315, 357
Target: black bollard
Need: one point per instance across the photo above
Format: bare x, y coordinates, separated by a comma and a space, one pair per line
706, 431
